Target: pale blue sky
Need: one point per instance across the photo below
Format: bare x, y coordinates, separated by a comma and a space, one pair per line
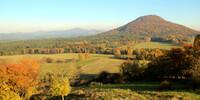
37, 15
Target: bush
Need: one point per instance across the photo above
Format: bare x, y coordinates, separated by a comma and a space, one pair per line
165, 85
59, 61
106, 77
132, 70
49, 60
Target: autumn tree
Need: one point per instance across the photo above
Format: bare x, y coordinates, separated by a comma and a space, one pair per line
117, 53
194, 72
56, 85
197, 41
133, 70
60, 87
20, 77
129, 52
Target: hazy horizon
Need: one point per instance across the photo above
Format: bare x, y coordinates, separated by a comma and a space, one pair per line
45, 15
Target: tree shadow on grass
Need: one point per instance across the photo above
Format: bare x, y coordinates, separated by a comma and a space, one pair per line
132, 86
145, 86
88, 76
177, 86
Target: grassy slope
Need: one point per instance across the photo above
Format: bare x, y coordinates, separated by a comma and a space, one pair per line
138, 91
98, 63
155, 45
94, 65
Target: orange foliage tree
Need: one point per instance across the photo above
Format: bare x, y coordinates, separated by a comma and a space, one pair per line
21, 76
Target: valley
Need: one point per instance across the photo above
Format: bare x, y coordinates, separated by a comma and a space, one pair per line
148, 58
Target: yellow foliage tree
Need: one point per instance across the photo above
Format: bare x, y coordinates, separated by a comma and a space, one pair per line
59, 86
129, 52
117, 52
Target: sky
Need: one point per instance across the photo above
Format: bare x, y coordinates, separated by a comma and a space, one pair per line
47, 15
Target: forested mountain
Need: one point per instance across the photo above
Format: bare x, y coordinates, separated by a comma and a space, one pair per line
151, 25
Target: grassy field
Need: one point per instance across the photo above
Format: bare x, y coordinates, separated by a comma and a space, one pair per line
97, 63
135, 91
153, 45
94, 65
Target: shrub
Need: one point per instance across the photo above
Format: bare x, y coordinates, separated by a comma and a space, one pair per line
59, 61
132, 70
165, 85
49, 60
106, 77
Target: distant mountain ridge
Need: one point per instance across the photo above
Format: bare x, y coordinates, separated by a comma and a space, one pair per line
151, 24
75, 32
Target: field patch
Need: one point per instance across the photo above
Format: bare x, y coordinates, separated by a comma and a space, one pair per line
93, 65
152, 45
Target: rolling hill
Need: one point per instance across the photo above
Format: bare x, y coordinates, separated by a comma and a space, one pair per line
151, 25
